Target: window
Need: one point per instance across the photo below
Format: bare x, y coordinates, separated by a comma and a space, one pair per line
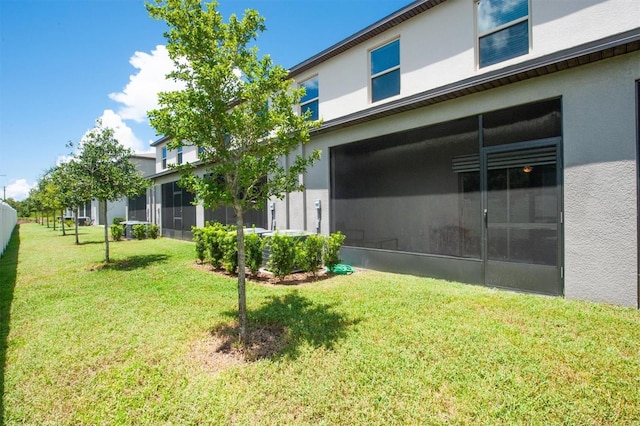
179, 155
503, 30
309, 101
385, 71
164, 157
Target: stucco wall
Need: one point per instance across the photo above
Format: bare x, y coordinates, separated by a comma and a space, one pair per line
600, 183
437, 48
600, 201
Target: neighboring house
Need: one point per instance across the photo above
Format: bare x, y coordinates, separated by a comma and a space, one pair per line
490, 142
174, 208
145, 163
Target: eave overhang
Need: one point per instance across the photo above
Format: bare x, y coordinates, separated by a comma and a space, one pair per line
595, 51
365, 34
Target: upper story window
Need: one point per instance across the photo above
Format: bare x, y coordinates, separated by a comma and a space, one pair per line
309, 101
385, 71
164, 157
503, 30
180, 155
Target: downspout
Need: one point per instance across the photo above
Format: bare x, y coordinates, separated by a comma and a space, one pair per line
638, 192
304, 195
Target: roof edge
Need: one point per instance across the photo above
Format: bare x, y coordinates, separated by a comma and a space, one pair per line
584, 54
365, 34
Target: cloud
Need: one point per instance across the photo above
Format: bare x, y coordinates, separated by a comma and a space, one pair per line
122, 133
18, 189
63, 159
141, 93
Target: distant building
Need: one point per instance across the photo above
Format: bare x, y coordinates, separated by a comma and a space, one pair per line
124, 207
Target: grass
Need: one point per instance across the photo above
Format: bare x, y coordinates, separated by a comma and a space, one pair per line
125, 343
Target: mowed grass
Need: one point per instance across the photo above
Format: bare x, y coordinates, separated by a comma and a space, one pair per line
126, 343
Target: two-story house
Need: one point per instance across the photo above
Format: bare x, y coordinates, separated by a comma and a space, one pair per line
173, 208
492, 142
134, 208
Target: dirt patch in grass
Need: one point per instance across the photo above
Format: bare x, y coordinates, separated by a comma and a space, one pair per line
265, 277
222, 348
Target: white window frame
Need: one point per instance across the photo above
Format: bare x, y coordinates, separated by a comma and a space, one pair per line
179, 155
499, 28
164, 157
386, 71
308, 101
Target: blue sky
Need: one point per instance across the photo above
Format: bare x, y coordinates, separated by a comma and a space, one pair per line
66, 63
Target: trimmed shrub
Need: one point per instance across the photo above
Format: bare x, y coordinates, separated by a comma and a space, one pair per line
117, 232
116, 220
332, 250
198, 238
253, 252
154, 231
310, 253
230, 252
214, 235
283, 254
139, 231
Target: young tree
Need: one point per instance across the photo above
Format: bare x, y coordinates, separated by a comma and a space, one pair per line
73, 189
105, 169
236, 107
35, 203
60, 194
49, 190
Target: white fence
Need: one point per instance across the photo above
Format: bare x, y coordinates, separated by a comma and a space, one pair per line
8, 220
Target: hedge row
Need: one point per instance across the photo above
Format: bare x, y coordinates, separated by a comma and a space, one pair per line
140, 231
217, 244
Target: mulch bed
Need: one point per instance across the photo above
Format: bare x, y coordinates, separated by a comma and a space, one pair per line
265, 277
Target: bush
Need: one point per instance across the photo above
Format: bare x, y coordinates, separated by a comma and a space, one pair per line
253, 252
230, 252
310, 253
116, 220
139, 231
214, 235
116, 232
201, 246
332, 250
283, 254
154, 231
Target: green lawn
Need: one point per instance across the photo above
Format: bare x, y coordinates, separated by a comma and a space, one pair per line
82, 343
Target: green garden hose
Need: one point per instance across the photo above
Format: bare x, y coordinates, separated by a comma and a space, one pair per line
341, 269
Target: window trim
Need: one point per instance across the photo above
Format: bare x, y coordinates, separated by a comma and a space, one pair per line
312, 100
385, 71
179, 155
479, 35
164, 157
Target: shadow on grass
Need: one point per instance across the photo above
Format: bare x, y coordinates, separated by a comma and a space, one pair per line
8, 274
283, 324
82, 243
132, 262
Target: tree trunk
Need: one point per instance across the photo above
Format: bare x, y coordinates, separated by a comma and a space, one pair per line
77, 213
47, 219
103, 205
54, 220
242, 295
62, 222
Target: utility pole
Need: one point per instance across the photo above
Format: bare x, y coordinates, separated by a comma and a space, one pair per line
4, 191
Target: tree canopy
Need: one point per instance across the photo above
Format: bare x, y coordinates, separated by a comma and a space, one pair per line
103, 169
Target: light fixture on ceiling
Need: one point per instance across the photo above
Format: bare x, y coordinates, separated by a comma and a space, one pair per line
527, 169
